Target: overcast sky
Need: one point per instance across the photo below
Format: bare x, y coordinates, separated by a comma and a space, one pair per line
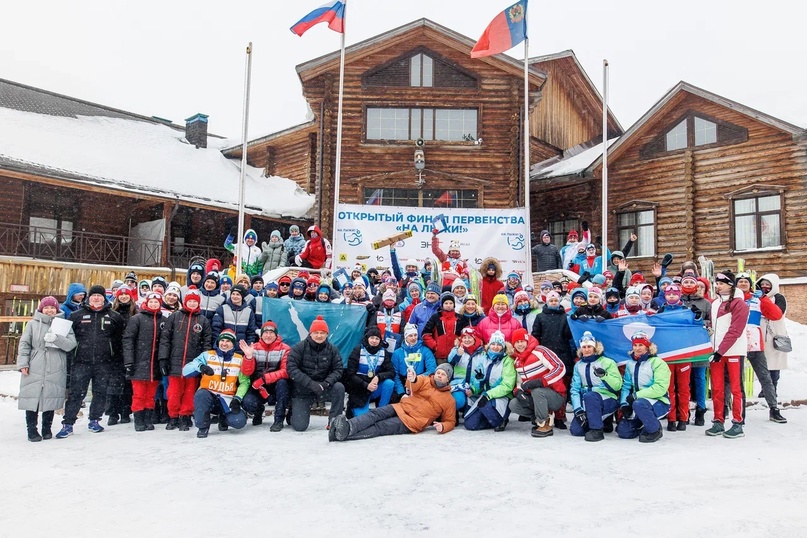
174, 58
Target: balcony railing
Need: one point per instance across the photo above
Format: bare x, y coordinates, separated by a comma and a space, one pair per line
88, 247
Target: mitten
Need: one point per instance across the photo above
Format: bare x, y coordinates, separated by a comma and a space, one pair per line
49, 338
206, 370
580, 415
533, 384
715, 357
235, 406
599, 371
482, 401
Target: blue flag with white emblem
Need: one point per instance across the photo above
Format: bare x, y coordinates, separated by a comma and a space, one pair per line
678, 336
346, 323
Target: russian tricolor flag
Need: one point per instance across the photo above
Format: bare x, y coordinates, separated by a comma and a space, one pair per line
507, 30
333, 13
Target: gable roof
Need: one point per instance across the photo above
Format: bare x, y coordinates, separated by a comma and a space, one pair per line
59, 137
386, 39
681, 87
587, 86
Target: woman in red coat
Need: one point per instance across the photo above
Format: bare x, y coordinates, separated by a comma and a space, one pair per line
440, 332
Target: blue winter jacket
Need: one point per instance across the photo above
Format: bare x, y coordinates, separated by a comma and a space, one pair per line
418, 356
69, 306
293, 246
422, 313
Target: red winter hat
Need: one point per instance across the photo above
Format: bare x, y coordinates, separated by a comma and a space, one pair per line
318, 325
520, 334
131, 292
284, 278
48, 301
192, 293
572, 233
637, 278
269, 326
152, 295
640, 337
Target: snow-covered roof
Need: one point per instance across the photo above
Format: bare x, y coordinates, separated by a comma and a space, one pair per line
70, 139
575, 161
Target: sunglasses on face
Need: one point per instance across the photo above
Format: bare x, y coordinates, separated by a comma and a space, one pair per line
286, 284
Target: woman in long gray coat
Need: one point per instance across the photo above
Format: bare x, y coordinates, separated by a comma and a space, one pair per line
42, 360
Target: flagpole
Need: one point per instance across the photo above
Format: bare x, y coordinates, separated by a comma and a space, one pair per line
240, 239
338, 168
527, 147
605, 165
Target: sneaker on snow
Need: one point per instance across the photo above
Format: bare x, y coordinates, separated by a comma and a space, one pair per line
672, 426
113, 419
67, 429
340, 429
651, 437
560, 424
502, 426
715, 430
94, 427
202, 433
543, 429
276, 426
594, 436
777, 417
734, 432
699, 414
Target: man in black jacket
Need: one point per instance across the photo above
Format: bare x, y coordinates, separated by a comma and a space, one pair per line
547, 255
98, 331
315, 368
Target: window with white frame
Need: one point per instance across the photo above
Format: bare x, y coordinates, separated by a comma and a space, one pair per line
757, 222
643, 224
426, 123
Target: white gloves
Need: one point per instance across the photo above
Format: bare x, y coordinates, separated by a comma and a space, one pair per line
50, 338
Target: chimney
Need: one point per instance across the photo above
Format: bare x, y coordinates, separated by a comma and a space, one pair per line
196, 130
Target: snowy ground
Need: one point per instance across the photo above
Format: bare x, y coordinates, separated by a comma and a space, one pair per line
297, 484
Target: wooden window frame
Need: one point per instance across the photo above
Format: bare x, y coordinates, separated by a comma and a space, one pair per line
367, 192
559, 238
727, 134
637, 206
368, 107
754, 192
436, 83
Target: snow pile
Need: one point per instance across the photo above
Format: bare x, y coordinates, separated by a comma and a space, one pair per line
569, 165
144, 157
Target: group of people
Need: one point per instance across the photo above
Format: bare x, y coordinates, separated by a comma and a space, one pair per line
431, 353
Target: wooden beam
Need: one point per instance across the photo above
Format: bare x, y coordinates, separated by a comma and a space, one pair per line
165, 251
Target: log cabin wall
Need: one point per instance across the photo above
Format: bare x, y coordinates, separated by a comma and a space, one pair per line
13, 200
570, 111
693, 215
492, 168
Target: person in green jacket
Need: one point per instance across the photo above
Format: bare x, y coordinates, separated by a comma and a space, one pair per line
644, 392
492, 380
596, 383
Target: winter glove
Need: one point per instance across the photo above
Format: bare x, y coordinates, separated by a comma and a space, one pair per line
599, 319
585, 276
580, 415
630, 399
49, 338
599, 371
666, 260
165, 367
715, 357
258, 385
584, 225
235, 406
534, 384
697, 311
318, 389
128, 370
583, 317
206, 370
626, 411
482, 401
757, 294
522, 397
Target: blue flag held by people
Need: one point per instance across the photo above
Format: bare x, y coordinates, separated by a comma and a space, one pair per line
293, 318
677, 335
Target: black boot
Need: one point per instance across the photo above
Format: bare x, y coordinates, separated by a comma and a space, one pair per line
162, 417
140, 421
682, 426
223, 426
125, 415
775, 416
608, 424
257, 418
700, 413
672, 426
47, 421
148, 418
202, 433
502, 426
184, 423
113, 419
173, 424
30, 422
